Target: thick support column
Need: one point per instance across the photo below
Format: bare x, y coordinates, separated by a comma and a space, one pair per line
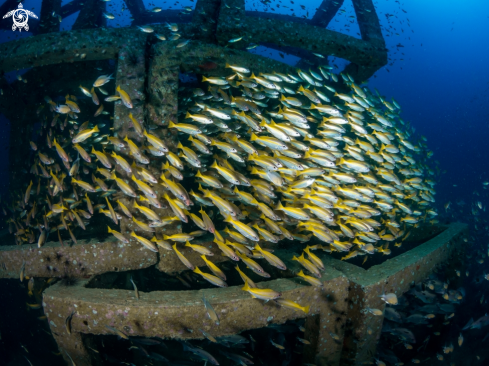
163, 86
49, 23
131, 77
137, 9
204, 20
91, 15
365, 57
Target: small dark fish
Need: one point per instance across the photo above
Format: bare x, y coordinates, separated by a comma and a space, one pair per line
73, 362
22, 271
147, 341
210, 311
72, 236
158, 357
232, 340
200, 353
208, 336
68, 322
117, 331
135, 289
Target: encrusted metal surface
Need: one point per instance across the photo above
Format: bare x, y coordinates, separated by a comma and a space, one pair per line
171, 314
366, 55
396, 275
79, 260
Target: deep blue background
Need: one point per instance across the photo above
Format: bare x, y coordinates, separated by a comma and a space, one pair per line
440, 76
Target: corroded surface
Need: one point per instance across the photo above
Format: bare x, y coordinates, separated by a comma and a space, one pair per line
171, 314
52, 48
395, 275
130, 76
79, 260
366, 55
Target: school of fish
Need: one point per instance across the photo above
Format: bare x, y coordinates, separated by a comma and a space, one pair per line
281, 156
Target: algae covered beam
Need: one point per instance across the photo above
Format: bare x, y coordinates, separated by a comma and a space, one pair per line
50, 10
47, 49
91, 15
326, 12
368, 22
137, 9
366, 55
284, 17
204, 19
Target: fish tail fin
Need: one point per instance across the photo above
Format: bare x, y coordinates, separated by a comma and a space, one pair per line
253, 137
204, 78
180, 146
110, 230
227, 218
171, 125
95, 129
305, 309
294, 258
279, 206
246, 287
214, 164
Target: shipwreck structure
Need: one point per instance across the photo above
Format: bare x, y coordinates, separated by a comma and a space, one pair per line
151, 69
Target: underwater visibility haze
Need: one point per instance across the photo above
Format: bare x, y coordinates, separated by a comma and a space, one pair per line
244, 182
